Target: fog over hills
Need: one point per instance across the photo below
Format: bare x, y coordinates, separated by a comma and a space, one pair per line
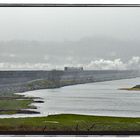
51, 38
91, 53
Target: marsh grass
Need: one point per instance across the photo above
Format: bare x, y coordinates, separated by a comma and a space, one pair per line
70, 122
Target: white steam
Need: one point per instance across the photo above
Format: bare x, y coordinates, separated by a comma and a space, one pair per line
100, 64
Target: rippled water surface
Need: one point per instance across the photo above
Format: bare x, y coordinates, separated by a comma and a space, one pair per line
101, 98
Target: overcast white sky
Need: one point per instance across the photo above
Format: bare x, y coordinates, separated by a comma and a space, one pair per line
59, 24
48, 38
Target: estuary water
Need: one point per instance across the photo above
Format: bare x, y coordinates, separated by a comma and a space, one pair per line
100, 98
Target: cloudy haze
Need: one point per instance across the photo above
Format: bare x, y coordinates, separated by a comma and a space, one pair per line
51, 38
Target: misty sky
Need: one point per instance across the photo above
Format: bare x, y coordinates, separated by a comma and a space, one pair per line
49, 38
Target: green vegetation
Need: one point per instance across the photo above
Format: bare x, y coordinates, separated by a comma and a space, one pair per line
136, 88
13, 106
8, 100
11, 103
70, 122
40, 84
44, 84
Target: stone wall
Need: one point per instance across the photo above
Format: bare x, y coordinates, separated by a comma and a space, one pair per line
16, 77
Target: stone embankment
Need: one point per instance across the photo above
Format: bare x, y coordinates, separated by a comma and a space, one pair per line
21, 81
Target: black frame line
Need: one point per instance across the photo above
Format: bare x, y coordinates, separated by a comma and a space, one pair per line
65, 5
64, 133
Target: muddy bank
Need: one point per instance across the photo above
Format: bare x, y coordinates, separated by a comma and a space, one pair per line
7, 111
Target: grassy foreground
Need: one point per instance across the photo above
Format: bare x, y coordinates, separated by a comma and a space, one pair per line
70, 122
